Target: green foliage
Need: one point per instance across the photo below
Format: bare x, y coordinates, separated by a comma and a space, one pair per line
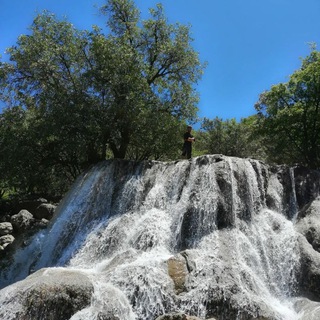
231, 138
150, 84
46, 86
289, 116
73, 96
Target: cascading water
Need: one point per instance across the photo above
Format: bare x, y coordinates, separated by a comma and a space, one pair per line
123, 221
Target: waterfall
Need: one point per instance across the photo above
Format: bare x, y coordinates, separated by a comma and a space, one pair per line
122, 221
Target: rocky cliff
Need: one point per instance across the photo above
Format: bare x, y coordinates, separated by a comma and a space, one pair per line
213, 237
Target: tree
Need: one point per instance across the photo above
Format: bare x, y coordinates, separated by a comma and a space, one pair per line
151, 80
110, 81
81, 93
231, 138
10, 152
46, 84
289, 116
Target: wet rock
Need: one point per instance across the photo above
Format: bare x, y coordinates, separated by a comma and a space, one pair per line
307, 185
306, 308
309, 223
216, 205
281, 197
179, 316
309, 277
178, 271
51, 294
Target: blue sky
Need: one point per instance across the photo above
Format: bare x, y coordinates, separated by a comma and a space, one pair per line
249, 45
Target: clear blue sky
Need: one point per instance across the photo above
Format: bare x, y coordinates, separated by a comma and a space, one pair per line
249, 44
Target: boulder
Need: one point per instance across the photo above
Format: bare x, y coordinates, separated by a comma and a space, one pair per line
178, 271
307, 185
5, 241
51, 294
42, 224
5, 228
29, 204
309, 277
22, 221
309, 223
307, 309
44, 211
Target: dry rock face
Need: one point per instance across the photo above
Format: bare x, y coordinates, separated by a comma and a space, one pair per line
22, 221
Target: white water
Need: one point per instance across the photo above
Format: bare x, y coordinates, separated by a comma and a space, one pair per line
120, 229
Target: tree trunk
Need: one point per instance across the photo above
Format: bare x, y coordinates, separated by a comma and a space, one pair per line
120, 151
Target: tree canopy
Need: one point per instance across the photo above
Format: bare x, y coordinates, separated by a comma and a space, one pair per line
74, 97
231, 138
286, 127
290, 116
77, 95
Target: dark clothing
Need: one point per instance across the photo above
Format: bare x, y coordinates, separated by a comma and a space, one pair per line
187, 146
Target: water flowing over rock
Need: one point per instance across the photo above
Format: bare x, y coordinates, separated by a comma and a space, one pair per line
214, 237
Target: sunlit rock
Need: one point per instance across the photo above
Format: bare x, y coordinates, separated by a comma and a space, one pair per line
50, 294
178, 271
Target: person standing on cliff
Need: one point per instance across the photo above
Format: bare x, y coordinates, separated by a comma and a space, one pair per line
187, 145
